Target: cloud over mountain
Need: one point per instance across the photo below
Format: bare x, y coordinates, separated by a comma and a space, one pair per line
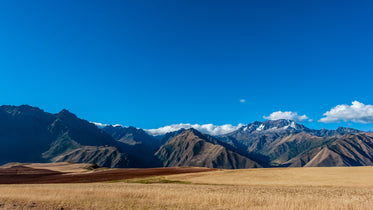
357, 112
288, 115
101, 125
205, 128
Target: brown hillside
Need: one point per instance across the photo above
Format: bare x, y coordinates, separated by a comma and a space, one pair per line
191, 148
348, 150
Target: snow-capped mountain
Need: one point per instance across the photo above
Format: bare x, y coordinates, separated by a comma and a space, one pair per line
272, 125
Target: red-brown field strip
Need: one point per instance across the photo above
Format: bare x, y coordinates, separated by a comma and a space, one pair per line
27, 175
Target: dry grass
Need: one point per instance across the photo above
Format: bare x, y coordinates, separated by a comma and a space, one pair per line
228, 189
321, 176
179, 196
151, 180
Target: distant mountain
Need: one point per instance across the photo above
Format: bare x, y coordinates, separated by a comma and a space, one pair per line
281, 140
347, 150
131, 136
139, 145
168, 136
28, 134
192, 148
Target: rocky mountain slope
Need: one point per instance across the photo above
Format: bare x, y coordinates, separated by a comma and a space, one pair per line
281, 140
347, 150
138, 144
192, 148
28, 134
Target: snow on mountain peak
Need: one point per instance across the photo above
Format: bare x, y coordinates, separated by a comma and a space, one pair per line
260, 128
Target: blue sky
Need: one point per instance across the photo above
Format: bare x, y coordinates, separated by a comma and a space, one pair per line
155, 63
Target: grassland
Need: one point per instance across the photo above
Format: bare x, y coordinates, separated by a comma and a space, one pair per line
309, 176
289, 188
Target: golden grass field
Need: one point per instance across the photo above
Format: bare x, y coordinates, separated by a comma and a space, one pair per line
308, 176
275, 188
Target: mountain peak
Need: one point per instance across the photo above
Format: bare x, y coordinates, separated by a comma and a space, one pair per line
344, 130
24, 107
192, 148
71, 118
66, 113
23, 110
192, 131
272, 125
132, 128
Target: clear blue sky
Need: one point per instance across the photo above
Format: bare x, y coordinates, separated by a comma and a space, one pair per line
154, 63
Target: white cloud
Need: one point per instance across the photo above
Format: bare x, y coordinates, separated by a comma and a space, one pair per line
357, 112
287, 115
101, 125
242, 100
205, 128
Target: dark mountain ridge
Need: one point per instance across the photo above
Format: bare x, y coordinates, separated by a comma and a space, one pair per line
138, 144
28, 134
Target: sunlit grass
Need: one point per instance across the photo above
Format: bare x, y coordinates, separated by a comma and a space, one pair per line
322, 188
151, 180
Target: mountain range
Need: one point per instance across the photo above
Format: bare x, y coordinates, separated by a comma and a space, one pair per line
29, 134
